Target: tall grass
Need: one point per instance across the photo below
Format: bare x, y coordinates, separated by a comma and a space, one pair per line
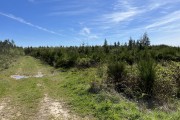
147, 74
116, 75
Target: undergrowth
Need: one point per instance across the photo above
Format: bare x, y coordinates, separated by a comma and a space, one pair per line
73, 85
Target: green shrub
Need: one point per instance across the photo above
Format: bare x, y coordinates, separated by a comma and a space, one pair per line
166, 84
165, 90
83, 62
101, 71
116, 75
64, 62
94, 87
147, 74
177, 77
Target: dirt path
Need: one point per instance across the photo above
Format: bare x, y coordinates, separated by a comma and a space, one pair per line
54, 110
26, 100
25, 78
8, 112
49, 109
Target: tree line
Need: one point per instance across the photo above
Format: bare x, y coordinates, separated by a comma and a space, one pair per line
86, 56
8, 51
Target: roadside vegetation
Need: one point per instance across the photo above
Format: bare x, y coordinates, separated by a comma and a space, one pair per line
8, 53
130, 81
142, 59
97, 80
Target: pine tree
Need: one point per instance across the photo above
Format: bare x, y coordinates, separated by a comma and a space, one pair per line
105, 46
145, 40
130, 44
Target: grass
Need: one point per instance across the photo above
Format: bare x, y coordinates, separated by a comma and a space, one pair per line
72, 87
24, 94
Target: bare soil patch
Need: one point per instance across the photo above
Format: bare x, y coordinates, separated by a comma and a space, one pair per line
54, 110
8, 112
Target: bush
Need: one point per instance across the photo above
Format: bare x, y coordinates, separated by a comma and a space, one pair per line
101, 71
147, 74
165, 90
166, 84
83, 62
116, 74
94, 87
64, 62
177, 77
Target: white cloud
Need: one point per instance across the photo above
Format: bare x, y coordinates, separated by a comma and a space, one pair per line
126, 9
120, 16
21, 20
173, 17
156, 4
123, 4
123, 12
85, 31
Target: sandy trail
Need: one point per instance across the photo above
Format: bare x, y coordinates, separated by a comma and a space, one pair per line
51, 109
47, 109
8, 112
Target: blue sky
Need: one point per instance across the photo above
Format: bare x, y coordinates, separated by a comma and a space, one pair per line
73, 22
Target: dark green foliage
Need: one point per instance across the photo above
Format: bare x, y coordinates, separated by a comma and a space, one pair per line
8, 52
147, 75
83, 63
116, 72
177, 77
145, 40
178, 93
116, 75
164, 91
131, 43
93, 55
94, 87
105, 46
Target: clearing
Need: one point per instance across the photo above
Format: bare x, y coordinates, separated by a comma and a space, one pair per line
24, 95
32, 90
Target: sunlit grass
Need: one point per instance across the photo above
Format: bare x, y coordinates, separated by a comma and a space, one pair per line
72, 87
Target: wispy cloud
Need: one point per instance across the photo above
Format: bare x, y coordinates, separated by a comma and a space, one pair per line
21, 20
130, 12
173, 17
72, 12
123, 5
156, 4
120, 16
86, 32
121, 13
73, 8
124, 10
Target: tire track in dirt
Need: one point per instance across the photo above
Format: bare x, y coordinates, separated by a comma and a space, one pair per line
54, 110
8, 112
